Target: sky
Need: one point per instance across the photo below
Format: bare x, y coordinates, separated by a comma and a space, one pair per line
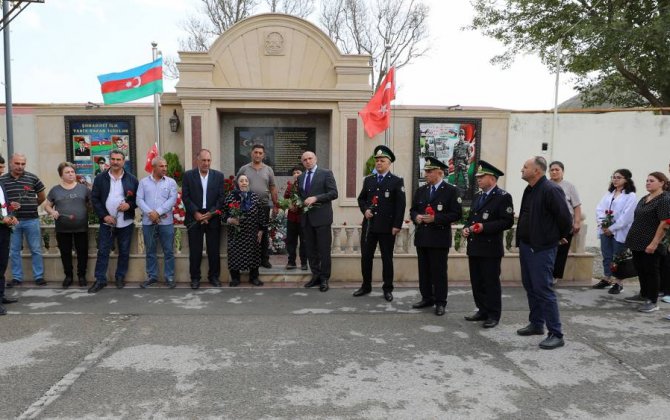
59, 47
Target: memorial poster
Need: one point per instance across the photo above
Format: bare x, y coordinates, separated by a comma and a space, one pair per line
89, 141
283, 146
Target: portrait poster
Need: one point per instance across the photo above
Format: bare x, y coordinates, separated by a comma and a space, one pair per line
283, 146
453, 141
89, 141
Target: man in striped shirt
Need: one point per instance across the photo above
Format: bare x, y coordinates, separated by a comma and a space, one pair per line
25, 192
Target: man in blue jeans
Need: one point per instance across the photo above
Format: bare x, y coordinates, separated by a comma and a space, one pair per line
544, 222
156, 196
113, 198
25, 192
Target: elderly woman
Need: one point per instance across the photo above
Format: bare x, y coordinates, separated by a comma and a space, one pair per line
614, 215
68, 203
644, 239
556, 171
241, 213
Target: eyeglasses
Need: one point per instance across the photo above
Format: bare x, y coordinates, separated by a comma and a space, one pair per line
617, 177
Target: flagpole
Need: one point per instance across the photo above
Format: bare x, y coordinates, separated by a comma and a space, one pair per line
554, 121
387, 133
154, 54
8, 84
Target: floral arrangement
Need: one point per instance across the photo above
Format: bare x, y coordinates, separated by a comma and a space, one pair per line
229, 184
277, 233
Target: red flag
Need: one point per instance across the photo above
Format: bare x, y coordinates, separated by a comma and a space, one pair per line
377, 113
151, 154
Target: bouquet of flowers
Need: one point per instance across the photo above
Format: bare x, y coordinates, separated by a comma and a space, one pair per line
179, 211
229, 185
608, 220
235, 211
277, 233
293, 200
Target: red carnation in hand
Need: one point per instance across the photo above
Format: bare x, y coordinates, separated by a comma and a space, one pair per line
430, 211
477, 227
217, 212
129, 193
375, 200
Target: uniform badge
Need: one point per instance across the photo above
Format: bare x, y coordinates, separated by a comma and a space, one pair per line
485, 216
402, 188
459, 200
387, 194
510, 210
439, 207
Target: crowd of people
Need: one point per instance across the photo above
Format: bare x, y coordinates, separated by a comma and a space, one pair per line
549, 216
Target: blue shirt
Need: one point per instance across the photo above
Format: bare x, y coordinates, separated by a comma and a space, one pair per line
159, 196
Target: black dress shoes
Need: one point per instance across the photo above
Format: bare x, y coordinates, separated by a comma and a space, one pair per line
313, 282
215, 283
423, 303
476, 317
6, 300
40, 282
440, 310
82, 281
266, 264
324, 286
67, 282
490, 323
96, 287
120, 284
362, 291
388, 295
234, 283
256, 281
195, 284
530, 329
552, 342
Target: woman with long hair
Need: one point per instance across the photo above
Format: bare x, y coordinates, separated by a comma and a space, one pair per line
644, 240
614, 215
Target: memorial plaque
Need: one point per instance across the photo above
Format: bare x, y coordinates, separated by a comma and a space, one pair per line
283, 146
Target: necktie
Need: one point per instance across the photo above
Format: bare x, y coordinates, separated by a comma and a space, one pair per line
482, 199
432, 192
308, 182
380, 178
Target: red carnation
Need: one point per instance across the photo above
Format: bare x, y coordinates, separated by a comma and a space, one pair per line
430, 211
27, 188
375, 200
129, 193
477, 227
217, 212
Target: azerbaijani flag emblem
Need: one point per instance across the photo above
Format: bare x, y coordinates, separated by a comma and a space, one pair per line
132, 84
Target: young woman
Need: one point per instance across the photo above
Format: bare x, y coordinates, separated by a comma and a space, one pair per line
614, 215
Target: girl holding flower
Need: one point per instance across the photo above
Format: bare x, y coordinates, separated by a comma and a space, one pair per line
241, 212
614, 215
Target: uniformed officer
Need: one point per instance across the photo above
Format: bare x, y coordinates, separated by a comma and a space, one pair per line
435, 206
491, 214
382, 202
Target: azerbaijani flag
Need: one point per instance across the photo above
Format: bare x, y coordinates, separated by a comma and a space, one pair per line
132, 84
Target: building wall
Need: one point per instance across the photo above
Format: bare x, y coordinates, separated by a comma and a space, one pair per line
592, 147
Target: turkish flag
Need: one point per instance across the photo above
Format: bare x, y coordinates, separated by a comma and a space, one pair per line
151, 154
376, 115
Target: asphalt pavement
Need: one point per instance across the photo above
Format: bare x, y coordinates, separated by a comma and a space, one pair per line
279, 353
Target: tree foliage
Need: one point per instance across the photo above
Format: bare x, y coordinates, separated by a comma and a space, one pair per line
618, 50
367, 27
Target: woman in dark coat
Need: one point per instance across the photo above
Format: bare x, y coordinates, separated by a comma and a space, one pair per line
241, 213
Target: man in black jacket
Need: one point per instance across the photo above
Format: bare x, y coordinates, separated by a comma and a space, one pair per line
436, 205
491, 214
544, 222
318, 189
203, 195
113, 199
382, 202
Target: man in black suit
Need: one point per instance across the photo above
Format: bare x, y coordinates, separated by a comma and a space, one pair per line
382, 202
318, 189
491, 214
203, 195
82, 150
436, 205
6, 223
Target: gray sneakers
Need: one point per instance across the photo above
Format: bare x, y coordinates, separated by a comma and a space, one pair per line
635, 299
648, 306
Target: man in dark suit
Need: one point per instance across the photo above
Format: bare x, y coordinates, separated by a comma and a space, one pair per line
202, 195
491, 214
6, 223
382, 202
318, 189
82, 150
436, 205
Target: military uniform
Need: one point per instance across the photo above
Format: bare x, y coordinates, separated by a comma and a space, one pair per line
490, 215
433, 240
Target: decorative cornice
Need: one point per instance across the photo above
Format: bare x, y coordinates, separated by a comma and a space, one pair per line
309, 95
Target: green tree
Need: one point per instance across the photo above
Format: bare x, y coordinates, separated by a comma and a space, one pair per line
618, 50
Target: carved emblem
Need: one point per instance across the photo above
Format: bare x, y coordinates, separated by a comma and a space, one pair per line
274, 44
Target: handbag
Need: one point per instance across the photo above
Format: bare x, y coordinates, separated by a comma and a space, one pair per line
622, 266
